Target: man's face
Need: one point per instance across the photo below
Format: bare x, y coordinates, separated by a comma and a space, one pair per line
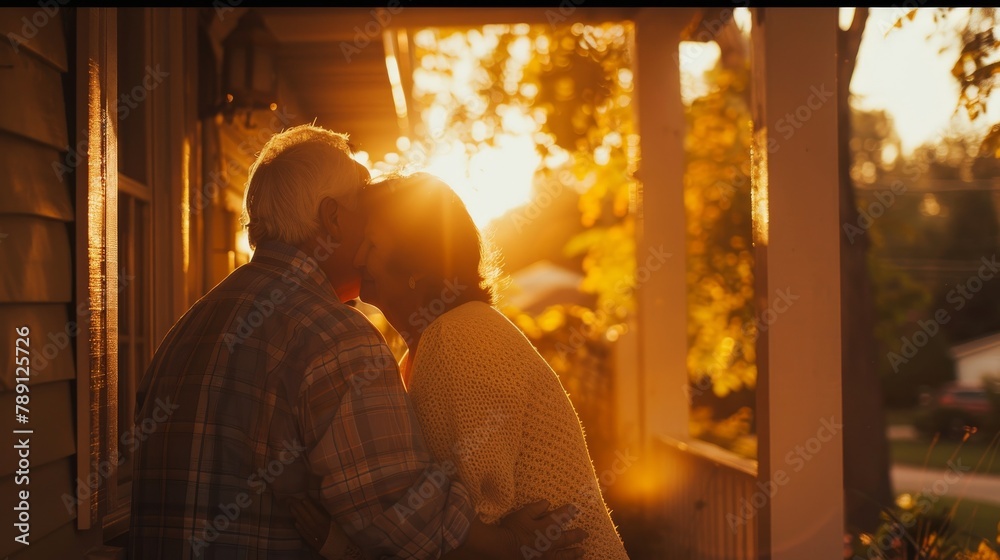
352, 230
383, 281
351, 223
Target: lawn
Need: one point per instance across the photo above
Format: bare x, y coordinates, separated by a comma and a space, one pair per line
915, 453
971, 523
973, 520
901, 416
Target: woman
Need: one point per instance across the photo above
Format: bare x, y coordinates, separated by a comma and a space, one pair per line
489, 405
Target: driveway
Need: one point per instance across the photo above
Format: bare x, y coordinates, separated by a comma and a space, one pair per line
957, 482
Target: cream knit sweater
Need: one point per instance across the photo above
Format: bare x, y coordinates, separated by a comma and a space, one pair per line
495, 414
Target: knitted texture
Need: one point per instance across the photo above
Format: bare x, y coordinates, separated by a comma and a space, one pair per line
495, 414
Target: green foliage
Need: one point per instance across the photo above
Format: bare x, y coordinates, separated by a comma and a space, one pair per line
907, 533
721, 326
898, 227
935, 525
590, 115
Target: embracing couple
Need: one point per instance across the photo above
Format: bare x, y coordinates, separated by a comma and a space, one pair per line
297, 435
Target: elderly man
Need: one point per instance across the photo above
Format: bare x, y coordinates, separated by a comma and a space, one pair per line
285, 393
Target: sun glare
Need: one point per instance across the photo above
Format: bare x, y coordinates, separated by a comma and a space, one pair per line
695, 59
907, 72
493, 173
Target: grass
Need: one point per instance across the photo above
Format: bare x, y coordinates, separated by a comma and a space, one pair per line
915, 453
964, 525
901, 416
973, 520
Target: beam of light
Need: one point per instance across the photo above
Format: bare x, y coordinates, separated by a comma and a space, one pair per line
744, 19
186, 204
492, 176
695, 58
846, 18
243, 243
395, 80
759, 190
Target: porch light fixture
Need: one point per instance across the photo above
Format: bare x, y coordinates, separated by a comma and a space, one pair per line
249, 79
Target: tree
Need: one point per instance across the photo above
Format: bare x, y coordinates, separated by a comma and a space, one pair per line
977, 68
972, 233
864, 436
722, 329
892, 206
866, 450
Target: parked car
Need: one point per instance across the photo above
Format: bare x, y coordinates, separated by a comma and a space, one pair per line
953, 408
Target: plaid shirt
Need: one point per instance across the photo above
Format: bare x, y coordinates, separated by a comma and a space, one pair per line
270, 388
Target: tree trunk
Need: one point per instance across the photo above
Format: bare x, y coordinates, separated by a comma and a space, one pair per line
867, 485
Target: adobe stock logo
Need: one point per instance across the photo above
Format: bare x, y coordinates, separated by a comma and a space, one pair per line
31, 26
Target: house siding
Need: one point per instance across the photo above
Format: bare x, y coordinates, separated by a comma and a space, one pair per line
36, 280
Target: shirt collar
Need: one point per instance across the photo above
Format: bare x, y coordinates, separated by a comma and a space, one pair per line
282, 255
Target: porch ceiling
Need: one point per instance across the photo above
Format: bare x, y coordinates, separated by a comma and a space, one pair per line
353, 95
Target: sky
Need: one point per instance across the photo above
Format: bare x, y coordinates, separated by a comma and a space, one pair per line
903, 73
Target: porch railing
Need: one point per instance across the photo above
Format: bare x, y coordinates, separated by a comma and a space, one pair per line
708, 506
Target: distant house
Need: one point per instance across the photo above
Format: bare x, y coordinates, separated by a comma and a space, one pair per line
541, 284
977, 359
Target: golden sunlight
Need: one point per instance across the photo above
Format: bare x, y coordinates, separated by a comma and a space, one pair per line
696, 58
497, 179
894, 62
494, 173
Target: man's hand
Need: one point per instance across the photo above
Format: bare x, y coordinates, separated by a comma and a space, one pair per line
532, 532
536, 532
312, 522
324, 537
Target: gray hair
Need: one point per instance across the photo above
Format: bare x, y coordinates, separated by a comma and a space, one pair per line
294, 172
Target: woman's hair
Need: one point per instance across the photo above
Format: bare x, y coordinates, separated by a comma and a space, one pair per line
294, 172
435, 234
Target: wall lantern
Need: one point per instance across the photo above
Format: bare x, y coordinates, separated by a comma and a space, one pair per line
249, 79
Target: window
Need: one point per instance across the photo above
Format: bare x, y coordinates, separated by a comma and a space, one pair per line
135, 195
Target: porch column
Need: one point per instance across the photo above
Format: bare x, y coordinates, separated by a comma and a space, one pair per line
800, 504
660, 407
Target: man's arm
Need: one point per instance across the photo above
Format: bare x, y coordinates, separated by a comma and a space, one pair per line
378, 481
363, 441
505, 542
518, 536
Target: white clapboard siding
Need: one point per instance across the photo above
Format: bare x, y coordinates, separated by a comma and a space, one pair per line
37, 179
47, 41
38, 266
32, 98
36, 279
51, 343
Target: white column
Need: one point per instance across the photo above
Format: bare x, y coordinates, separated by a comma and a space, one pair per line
796, 223
661, 407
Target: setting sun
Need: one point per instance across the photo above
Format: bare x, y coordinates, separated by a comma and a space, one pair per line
492, 165
498, 178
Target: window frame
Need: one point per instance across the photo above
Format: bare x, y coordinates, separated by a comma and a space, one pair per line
171, 129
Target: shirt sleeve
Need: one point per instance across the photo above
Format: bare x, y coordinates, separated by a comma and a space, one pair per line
364, 444
479, 394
